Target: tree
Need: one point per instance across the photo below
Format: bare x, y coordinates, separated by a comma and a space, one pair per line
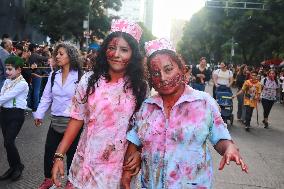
146, 36
64, 18
203, 35
254, 34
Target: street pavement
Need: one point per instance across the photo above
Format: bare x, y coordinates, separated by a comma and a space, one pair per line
262, 149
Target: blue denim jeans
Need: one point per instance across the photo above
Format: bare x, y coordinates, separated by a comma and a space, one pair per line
36, 83
198, 86
1, 83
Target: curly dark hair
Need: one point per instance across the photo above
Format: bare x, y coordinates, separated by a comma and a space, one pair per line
72, 52
134, 71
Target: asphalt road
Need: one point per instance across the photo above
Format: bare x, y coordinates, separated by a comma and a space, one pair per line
262, 149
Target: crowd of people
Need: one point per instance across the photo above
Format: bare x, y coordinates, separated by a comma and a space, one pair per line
106, 120
255, 85
38, 64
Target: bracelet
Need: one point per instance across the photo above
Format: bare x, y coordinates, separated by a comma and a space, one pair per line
55, 159
58, 156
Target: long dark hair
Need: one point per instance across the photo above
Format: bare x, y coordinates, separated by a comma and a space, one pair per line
134, 71
241, 70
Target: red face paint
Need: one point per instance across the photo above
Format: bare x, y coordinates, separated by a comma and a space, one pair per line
118, 55
110, 53
166, 76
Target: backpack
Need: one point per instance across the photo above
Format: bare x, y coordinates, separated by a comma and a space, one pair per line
265, 79
80, 73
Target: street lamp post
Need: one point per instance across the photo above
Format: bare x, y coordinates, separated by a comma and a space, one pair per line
233, 44
86, 26
88, 30
232, 50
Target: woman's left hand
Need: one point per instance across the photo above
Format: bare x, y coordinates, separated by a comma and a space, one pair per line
232, 154
133, 163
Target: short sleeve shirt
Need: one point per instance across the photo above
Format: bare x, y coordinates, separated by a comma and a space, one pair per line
269, 89
251, 93
98, 161
175, 151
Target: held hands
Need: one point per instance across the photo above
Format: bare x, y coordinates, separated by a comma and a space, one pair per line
38, 122
130, 168
133, 163
126, 179
232, 154
57, 171
201, 76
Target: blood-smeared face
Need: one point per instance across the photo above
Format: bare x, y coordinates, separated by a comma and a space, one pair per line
118, 55
166, 76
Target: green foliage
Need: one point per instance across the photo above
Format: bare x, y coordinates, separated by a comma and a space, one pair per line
254, 34
58, 18
146, 36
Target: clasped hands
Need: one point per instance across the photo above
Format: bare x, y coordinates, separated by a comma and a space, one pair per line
38, 122
131, 168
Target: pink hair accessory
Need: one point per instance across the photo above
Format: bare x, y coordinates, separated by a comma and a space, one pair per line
158, 44
126, 26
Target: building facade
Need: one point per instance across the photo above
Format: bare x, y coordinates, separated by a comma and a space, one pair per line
148, 14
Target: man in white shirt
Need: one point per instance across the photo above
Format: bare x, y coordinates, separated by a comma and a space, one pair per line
13, 102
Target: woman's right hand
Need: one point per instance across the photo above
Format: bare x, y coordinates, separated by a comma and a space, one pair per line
126, 179
57, 170
133, 163
38, 122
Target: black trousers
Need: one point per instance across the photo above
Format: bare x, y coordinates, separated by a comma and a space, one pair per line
240, 106
214, 92
249, 111
267, 105
52, 141
12, 120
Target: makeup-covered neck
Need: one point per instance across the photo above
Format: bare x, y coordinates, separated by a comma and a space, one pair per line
171, 99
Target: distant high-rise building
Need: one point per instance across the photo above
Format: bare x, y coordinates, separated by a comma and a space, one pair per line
137, 11
148, 13
130, 9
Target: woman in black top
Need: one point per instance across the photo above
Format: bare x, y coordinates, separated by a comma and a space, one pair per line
201, 74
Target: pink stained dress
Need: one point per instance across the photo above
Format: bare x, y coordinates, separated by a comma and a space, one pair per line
100, 153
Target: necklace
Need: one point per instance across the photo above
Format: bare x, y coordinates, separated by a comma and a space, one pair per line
10, 85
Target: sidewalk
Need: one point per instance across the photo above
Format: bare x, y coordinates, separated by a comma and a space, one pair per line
262, 149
